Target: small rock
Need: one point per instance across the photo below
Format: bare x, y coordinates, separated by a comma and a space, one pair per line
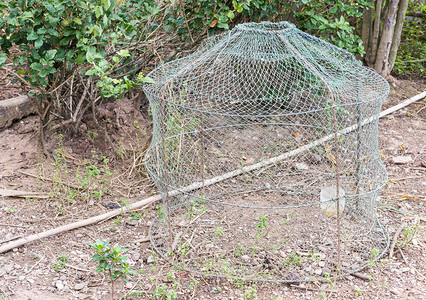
17, 267
245, 257
321, 263
400, 160
308, 269
129, 285
20, 278
63, 278
150, 260
302, 166
136, 256
51, 289
78, 235
405, 269
318, 272
31, 281
80, 286
59, 285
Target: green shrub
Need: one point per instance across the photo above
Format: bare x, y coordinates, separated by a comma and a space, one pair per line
410, 59
51, 44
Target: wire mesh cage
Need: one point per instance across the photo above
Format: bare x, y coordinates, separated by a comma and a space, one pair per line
265, 152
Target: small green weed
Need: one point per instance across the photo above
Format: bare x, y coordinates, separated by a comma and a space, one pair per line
162, 292
61, 263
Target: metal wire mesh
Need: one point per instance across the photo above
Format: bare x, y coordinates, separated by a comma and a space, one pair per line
265, 151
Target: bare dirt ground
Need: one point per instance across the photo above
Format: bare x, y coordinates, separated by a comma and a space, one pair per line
61, 266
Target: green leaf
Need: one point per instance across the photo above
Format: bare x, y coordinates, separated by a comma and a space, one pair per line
223, 25
32, 36
70, 54
92, 54
98, 11
38, 43
3, 58
77, 20
147, 80
107, 4
36, 66
50, 54
41, 30
42, 73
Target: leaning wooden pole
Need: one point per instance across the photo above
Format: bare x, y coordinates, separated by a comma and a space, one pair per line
198, 185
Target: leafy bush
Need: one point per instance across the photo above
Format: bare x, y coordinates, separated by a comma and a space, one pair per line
52, 43
410, 59
334, 20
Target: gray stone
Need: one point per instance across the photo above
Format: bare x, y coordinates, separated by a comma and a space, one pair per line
51, 289
302, 166
150, 260
20, 278
136, 256
80, 286
400, 160
245, 257
318, 271
59, 285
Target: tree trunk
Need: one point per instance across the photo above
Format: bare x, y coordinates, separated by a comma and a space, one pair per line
366, 26
372, 51
402, 10
382, 57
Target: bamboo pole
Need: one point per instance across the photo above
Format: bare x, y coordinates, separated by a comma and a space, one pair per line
198, 185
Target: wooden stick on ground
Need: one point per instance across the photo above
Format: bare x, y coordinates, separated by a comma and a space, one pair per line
395, 239
198, 185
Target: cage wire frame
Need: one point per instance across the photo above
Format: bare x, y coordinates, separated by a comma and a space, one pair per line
194, 97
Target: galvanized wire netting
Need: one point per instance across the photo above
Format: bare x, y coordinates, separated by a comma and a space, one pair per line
265, 151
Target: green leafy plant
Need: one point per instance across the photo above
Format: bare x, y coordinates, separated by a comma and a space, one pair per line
408, 234
374, 254
410, 59
61, 263
261, 225
293, 259
162, 292
330, 19
10, 209
55, 48
112, 262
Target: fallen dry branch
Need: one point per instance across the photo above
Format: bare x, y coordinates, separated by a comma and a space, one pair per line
395, 239
22, 194
198, 185
361, 276
82, 223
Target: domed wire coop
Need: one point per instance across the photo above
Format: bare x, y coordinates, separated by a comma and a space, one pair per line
265, 152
